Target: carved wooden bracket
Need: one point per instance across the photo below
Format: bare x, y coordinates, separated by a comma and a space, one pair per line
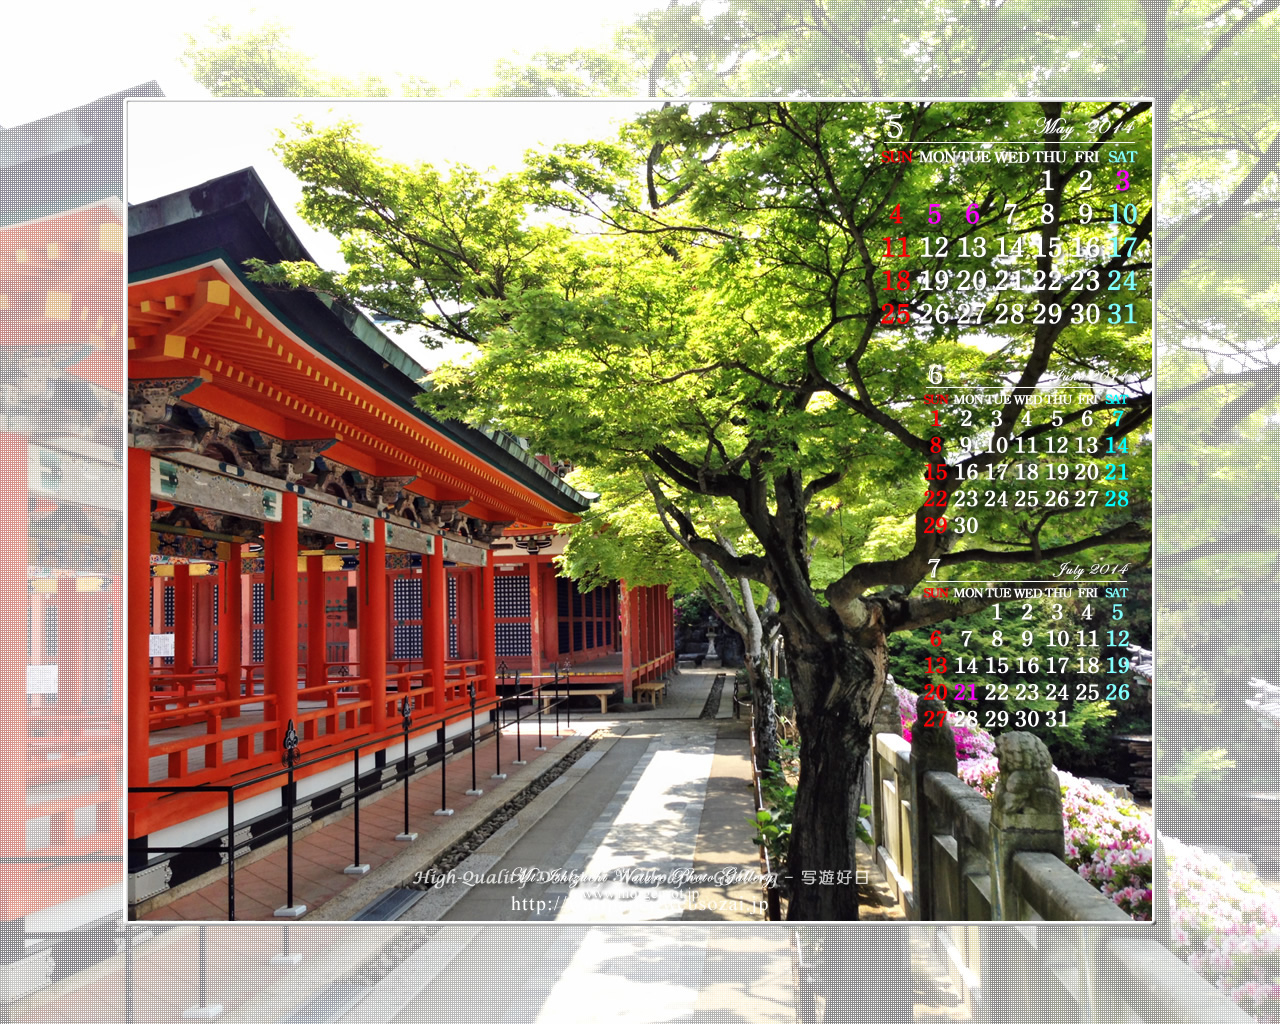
484, 532
151, 401
384, 492
445, 515
292, 460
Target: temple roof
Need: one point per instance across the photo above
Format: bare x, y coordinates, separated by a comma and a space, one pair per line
233, 218
66, 160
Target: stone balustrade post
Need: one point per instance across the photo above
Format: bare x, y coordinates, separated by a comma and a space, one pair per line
1026, 815
886, 718
933, 749
1161, 901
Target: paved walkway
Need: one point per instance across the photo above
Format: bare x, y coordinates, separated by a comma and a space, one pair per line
580, 975
554, 974
660, 792
653, 824
666, 754
650, 825
321, 853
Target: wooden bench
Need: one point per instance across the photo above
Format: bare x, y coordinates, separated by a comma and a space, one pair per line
604, 694
656, 692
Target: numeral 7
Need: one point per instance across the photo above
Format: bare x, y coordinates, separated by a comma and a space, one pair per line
1009, 208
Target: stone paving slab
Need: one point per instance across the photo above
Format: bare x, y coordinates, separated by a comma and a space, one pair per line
650, 829
726, 865
531, 840
324, 849
621, 808
642, 976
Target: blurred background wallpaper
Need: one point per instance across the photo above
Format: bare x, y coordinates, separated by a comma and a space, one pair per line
65, 952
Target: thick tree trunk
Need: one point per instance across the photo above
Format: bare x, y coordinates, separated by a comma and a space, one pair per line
836, 684
866, 974
763, 709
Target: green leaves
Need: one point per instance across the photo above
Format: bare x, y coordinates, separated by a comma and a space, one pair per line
701, 300
773, 822
448, 251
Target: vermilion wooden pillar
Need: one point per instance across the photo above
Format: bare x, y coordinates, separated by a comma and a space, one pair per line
660, 614
643, 629
659, 622
663, 618
655, 623
70, 637
137, 637
655, 643
70, 634
246, 624
435, 621
424, 628
317, 667
535, 619
109, 781
639, 626
229, 601
280, 619
664, 621
202, 617
115, 634
13, 659
668, 614
182, 619
550, 613
371, 623
486, 625
659, 631
625, 626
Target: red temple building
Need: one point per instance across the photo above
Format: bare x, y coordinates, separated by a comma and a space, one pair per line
306, 547
61, 595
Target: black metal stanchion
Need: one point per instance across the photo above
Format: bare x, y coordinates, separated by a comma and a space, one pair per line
355, 867
498, 773
231, 854
128, 975
444, 810
556, 690
204, 1010
286, 957
471, 692
291, 757
537, 699
566, 693
519, 756
406, 719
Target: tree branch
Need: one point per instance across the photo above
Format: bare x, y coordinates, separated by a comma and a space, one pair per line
752, 567
1128, 533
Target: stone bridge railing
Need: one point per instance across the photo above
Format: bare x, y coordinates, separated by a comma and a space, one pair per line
953, 856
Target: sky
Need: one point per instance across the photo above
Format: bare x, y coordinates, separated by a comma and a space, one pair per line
172, 145
47, 66
222, 136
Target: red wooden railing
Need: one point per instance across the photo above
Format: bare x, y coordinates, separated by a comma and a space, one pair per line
240, 731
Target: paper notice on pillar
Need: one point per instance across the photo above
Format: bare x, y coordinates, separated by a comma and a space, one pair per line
42, 679
161, 645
